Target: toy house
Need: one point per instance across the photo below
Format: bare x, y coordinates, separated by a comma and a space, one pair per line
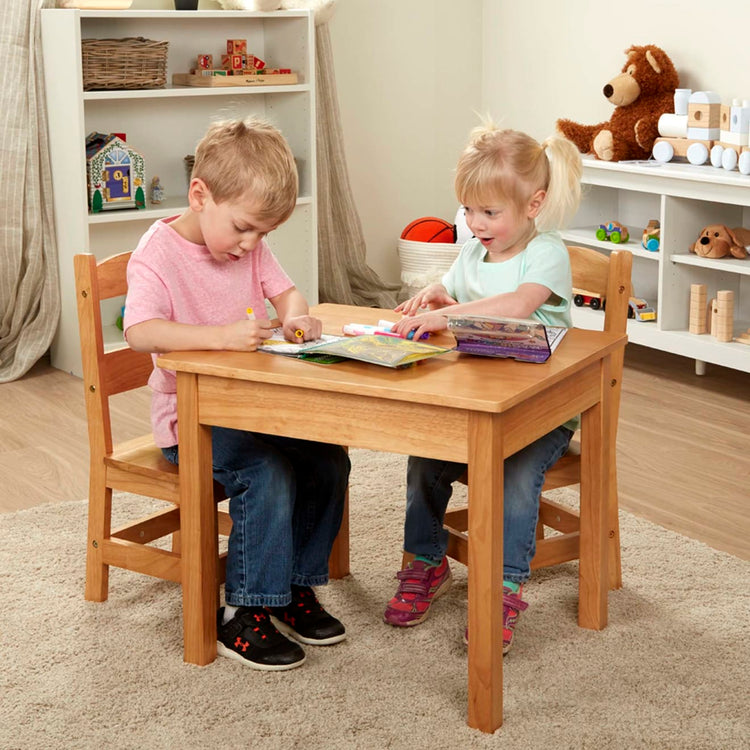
114, 172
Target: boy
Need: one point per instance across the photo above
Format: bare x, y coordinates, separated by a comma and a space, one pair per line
190, 282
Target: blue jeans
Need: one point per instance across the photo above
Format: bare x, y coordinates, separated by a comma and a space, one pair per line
429, 488
286, 499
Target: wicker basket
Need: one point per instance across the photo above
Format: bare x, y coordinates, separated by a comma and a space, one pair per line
131, 63
424, 263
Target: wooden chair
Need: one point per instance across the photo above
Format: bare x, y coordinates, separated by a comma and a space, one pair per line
135, 466
609, 277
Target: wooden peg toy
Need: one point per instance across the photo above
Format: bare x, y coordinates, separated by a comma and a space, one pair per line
697, 309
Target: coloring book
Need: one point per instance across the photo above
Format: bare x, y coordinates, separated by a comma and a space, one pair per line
385, 350
388, 351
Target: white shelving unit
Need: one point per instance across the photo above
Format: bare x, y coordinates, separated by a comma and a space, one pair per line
165, 125
684, 198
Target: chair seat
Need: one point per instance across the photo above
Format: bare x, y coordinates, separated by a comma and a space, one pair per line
141, 457
139, 466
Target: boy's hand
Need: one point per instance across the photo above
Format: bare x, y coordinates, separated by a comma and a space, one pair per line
432, 297
302, 328
246, 335
421, 324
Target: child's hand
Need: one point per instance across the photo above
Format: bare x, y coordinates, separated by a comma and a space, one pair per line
421, 324
432, 297
302, 328
246, 335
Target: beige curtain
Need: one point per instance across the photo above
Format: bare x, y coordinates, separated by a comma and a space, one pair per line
344, 275
29, 291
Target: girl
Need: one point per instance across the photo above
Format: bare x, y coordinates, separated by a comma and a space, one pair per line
515, 192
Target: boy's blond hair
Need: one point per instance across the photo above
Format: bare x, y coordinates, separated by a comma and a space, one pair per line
251, 155
507, 166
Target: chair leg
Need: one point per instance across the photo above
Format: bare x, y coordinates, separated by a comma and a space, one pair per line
176, 542
614, 561
99, 527
539, 530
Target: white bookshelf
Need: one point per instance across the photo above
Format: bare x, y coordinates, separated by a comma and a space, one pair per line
165, 125
684, 198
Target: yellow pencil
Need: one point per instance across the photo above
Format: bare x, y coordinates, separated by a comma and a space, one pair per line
250, 313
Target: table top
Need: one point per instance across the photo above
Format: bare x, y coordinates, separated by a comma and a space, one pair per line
454, 380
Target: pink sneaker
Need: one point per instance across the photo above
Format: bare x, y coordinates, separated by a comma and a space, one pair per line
513, 605
419, 584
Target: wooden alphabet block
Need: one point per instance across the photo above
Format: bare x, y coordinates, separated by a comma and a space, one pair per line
205, 62
236, 46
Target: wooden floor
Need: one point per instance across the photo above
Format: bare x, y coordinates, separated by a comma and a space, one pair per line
684, 458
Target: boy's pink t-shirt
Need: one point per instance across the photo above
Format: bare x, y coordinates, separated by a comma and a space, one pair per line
173, 279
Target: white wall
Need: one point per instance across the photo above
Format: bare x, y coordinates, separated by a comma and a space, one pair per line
408, 75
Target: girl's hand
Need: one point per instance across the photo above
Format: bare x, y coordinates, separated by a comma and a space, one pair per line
311, 328
421, 324
246, 335
432, 297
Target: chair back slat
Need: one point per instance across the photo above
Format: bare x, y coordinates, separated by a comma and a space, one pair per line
126, 369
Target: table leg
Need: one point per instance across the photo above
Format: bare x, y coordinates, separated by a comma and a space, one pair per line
338, 561
596, 439
485, 572
198, 527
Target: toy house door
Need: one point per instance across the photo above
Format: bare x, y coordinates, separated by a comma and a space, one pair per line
116, 175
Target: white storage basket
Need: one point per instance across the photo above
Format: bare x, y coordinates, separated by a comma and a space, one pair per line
423, 263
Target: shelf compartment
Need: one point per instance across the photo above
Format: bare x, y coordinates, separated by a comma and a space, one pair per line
731, 265
580, 235
168, 207
171, 92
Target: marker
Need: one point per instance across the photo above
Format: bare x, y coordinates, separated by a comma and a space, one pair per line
250, 313
387, 325
360, 329
299, 333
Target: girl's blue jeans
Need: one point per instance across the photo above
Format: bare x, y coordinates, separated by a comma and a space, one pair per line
429, 488
286, 499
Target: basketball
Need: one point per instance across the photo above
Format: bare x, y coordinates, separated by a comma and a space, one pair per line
429, 229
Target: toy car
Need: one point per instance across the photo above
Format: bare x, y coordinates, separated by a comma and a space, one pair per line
639, 309
614, 232
593, 300
651, 236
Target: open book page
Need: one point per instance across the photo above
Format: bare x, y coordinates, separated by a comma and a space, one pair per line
525, 340
388, 351
555, 336
277, 344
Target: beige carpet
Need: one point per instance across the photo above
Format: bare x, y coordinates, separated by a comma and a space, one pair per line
670, 671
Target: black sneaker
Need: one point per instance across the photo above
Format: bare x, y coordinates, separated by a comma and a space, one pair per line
251, 638
306, 621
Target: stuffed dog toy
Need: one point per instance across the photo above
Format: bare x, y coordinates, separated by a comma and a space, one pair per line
718, 241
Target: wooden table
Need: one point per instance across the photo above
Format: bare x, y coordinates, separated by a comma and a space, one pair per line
453, 407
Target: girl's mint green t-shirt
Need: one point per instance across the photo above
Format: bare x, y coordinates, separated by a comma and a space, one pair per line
544, 261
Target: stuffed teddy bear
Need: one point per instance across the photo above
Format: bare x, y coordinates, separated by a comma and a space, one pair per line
642, 92
717, 241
